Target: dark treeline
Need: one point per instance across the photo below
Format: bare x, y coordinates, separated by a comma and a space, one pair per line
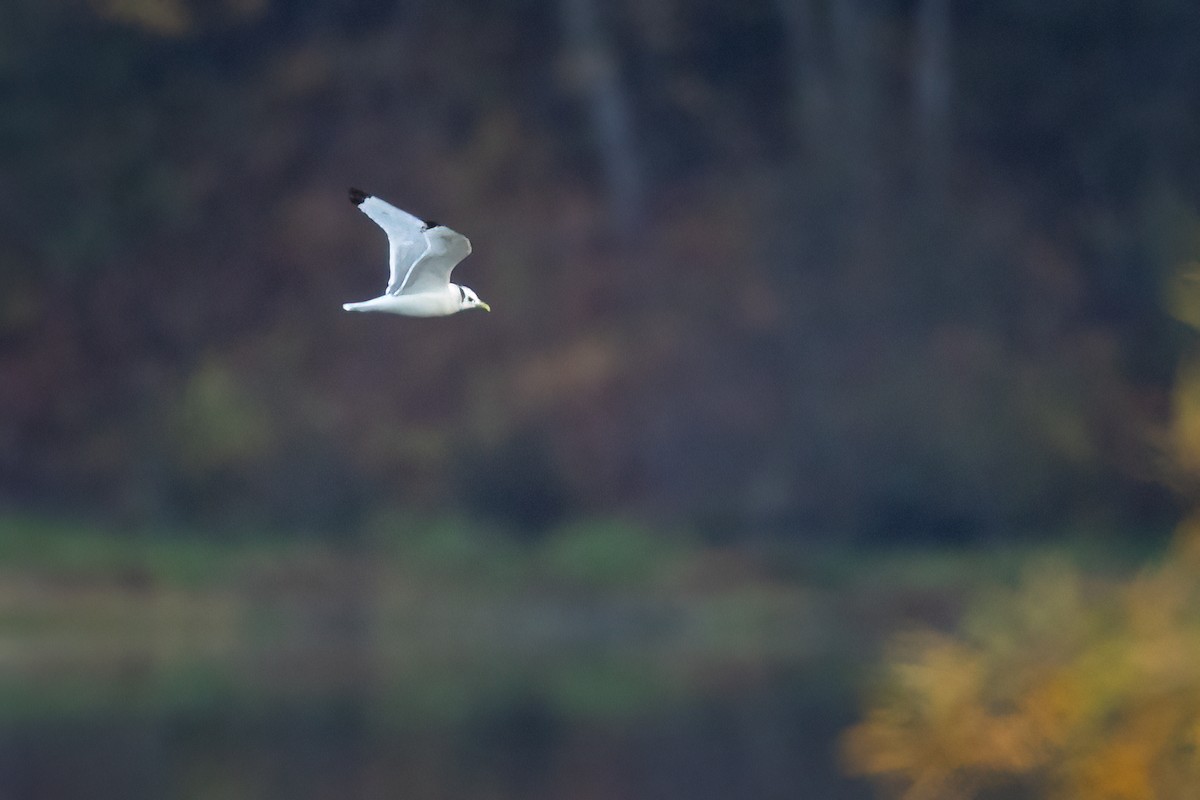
808, 267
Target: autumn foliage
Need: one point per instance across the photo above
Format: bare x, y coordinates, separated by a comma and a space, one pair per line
1060, 688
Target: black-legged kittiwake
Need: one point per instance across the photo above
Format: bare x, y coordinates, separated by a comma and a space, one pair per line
422, 254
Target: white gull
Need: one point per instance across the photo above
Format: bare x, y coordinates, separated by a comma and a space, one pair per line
422, 254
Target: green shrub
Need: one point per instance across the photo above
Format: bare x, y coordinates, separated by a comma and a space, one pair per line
607, 554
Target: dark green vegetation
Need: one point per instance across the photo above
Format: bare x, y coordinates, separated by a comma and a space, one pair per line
820, 270
426, 602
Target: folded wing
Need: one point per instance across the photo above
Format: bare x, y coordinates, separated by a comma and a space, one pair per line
406, 236
431, 271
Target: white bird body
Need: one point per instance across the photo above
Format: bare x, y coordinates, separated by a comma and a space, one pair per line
421, 257
438, 303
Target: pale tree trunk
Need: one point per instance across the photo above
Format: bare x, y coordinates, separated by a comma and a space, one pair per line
852, 54
831, 244
837, 100
812, 106
931, 235
931, 95
594, 65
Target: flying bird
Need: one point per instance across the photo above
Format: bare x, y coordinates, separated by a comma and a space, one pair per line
422, 254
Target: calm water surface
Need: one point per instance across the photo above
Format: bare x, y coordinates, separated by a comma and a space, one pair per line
341, 718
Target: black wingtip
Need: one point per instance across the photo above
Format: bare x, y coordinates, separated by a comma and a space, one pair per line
430, 223
357, 196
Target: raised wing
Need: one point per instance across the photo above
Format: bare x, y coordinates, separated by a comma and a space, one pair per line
406, 236
431, 271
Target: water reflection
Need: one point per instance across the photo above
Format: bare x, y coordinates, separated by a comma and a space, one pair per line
351, 717
448, 666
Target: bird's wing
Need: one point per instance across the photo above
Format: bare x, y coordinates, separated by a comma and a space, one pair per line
406, 239
431, 271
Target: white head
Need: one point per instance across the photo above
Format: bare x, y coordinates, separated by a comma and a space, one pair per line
468, 299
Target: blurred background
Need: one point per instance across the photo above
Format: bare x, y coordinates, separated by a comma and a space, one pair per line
835, 432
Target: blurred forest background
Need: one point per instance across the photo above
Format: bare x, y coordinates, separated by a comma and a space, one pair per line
799, 268
813, 319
